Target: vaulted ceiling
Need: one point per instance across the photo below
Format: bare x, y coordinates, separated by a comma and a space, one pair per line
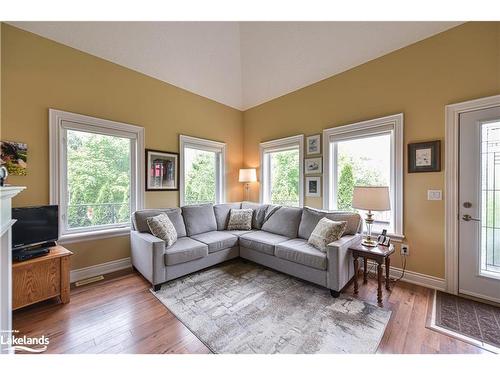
240, 64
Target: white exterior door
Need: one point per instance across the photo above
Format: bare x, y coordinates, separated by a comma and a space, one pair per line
479, 204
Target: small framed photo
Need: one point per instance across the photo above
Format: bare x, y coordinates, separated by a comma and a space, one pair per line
313, 186
162, 170
313, 166
313, 144
15, 157
424, 157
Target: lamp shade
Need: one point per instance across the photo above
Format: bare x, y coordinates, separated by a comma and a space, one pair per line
374, 198
248, 175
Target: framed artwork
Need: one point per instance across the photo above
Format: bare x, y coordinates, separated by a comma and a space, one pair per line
162, 170
14, 157
313, 186
424, 157
313, 144
313, 166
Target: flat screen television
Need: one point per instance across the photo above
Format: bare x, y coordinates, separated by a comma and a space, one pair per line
34, 226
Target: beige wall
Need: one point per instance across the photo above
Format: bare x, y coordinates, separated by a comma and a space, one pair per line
39, 74
419, 80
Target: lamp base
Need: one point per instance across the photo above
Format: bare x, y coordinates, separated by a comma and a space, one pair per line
369, 242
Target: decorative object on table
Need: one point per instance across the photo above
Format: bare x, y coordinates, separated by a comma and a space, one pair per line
14, 156
246, 176
313, 166
371, 198
381, 255
383, 239
313, 144
162, 170
3, 175
313, 186
424, 157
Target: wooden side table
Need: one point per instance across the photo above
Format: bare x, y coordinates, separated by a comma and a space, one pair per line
41, 278
381, 255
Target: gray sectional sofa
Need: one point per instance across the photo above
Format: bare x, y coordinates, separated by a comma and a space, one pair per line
278, 240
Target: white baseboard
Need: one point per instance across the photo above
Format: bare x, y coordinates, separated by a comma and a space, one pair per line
416, 278
99, 269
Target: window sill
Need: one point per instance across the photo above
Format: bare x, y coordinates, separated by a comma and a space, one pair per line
398, 238
93, 235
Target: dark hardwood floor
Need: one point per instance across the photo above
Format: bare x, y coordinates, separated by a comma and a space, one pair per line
120, 315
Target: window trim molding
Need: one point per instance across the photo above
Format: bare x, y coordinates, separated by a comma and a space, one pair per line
276, 145
208, 145
56, 162
395, 123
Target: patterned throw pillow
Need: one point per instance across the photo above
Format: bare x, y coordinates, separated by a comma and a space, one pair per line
240, 219
325, 232
161, 227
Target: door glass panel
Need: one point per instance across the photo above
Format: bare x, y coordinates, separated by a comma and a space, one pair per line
490, 194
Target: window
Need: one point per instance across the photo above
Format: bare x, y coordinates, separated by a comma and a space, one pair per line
368, 153
96, 176
281, 171
202, 171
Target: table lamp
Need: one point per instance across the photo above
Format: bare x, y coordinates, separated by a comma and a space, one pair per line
247, 175
371, 198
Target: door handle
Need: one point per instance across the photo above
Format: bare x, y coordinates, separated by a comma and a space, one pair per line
469, 218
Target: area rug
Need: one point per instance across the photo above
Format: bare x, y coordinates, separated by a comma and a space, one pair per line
241, 307
474, 322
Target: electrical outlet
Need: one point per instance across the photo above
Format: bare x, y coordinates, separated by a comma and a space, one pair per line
405, 250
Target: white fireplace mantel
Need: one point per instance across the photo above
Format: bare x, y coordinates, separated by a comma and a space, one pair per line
6, 222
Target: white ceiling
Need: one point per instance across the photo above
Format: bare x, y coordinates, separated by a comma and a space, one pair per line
240, 64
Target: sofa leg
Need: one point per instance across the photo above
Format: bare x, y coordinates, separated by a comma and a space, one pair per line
334, 293
156, 287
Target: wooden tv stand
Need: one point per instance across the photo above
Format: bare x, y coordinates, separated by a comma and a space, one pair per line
41, 278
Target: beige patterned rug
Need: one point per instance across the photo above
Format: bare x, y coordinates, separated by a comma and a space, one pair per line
241, 307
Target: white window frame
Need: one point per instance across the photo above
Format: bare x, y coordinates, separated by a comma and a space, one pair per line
390, 124
59, 123
275, 145
219, 148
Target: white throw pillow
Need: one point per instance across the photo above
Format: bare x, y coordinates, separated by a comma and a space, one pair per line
240, 219
325, 232
161, 227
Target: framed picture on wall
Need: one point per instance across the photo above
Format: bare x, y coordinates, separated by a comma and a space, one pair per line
424, 157
162, 170
313, 144
313, 166
313, 186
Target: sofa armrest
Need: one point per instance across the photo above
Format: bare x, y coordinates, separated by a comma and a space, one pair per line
147, 253
340, 265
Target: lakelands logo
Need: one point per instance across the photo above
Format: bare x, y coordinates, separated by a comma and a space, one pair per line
24, 343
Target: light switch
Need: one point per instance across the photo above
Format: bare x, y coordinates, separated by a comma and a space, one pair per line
434, 195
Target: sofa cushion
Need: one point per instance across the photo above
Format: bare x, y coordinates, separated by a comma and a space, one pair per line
139, 219
311, 217
221, 212
299, 251
326, 232
285, 221
216, 240
261, 212
199, 218
262, 241
238, 233
185, 250
161, 227
240, 219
